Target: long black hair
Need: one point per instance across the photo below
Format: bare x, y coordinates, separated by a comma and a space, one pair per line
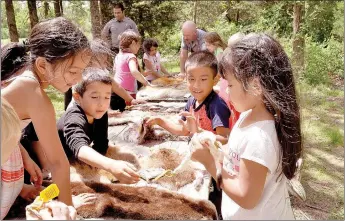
261, 56
54, 39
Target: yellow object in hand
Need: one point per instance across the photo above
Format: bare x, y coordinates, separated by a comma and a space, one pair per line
47, 194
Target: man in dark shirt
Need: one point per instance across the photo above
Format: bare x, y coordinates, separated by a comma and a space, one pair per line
86, 122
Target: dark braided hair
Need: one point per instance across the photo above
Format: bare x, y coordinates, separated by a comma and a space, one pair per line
260, 56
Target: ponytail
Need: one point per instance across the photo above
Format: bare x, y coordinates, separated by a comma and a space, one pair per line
13, 58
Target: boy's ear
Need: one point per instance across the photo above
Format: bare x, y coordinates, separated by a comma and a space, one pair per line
76, 97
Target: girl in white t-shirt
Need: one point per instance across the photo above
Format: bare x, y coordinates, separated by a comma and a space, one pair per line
265, 143
152, 60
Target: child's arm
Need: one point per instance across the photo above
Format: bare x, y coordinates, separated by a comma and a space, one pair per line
177, 129
122, 170
245, 189
149, 66
42, 113
136, 73
222, 134
117, 89
164, 70
31, 167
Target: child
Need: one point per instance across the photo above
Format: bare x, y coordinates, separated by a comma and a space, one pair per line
126, 64
152, 60
86, 121
100, 59
59, 52
265, 143
12, 181
214, 43
210, 110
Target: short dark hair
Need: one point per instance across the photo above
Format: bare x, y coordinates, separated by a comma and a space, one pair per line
91, 75
148, 43
119, 5
203, 59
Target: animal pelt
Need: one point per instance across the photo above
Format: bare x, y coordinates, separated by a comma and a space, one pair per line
169, 159
167, 81
160, 107
116, 201
135, 131
81, 171
175, 92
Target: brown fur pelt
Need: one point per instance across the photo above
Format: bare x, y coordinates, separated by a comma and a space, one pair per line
167, 81
81, 171
175, 92
135, 131
116, 201
169, 159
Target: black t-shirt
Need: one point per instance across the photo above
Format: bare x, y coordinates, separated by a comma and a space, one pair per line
75, 132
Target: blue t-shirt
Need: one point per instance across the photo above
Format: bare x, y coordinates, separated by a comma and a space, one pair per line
214, 108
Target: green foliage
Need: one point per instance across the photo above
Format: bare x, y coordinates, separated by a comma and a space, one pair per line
323, 60
79, 13
319, 19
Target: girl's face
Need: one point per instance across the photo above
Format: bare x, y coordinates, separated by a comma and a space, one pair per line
134, 47
241, 99
210, 47
68, 72
153, 51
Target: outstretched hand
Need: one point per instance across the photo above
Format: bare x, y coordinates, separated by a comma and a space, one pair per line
124, 171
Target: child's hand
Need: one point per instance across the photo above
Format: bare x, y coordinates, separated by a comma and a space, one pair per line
201, 152
150, 121
30, 192
34, 171
125, 172
83, 199
136, 102
55, 210
191, 123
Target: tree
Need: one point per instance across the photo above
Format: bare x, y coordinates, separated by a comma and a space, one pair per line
32, 12
46, 9
106, 11
95, 19
11, 21
298, 39
57, 8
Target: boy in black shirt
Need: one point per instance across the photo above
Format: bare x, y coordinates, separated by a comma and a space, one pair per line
86, 122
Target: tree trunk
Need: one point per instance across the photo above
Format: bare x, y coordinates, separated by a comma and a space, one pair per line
11, 21
195, 11
95, 19
57, 9
298, 40
46, 9
61, 8
32, 12
106, 11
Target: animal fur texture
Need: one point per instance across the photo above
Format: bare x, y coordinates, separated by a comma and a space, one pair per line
174, 92
167, 81
116, 201
129, 126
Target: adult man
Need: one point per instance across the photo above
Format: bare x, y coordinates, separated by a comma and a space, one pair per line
116, 26
192, 41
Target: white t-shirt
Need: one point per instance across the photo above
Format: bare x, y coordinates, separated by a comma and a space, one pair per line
259, 143
155, 62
